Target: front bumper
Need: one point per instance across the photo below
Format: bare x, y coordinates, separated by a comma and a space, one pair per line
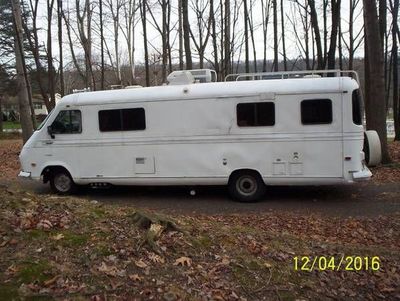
24, 174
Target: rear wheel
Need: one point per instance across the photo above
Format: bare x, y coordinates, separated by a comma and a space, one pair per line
61, 182
246, 186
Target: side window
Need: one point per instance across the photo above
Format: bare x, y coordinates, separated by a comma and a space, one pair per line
255, 114
110, 120
133, 119
356, 106
316, 111
67, 122
122, 120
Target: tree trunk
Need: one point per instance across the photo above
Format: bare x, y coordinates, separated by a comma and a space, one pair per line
186, 34
50, 68
246, 36
146, 51
315, 26
180, 34
22, 88
214, 39
375, 108
395, 66
60, 46
335, 5
285, 67
227, 41
275, 12
101, 45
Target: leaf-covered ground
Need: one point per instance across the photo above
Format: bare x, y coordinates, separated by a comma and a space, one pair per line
69, 248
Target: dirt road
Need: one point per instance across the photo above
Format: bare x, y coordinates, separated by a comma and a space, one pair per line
364, 199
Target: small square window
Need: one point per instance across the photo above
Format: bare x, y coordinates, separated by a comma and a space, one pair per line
316, 111
255, 114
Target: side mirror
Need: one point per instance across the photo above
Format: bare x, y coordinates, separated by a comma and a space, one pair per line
50, 131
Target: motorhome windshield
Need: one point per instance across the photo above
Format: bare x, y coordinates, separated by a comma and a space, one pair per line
45, 120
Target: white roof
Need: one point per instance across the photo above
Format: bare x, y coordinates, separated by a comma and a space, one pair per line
213, 90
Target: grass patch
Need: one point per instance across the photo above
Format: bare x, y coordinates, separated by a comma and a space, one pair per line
99, 212
11, 125
36, 234
74, 239
34, 271
202, 242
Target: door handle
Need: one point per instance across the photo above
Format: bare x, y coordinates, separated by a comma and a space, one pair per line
48, 142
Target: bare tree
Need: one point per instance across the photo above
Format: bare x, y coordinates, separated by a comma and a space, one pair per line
114, 7
84, 26
275, 11
375, 106
246, 36
203, 25
283, 37
60, 46
394, 5
164, 31
214, 38
129, 9
22, 87
335, 5
227, 38
143, 9
50, 68
102, 78
186, 34
317, 35
355, 40
300, 11
34, 44
265, 12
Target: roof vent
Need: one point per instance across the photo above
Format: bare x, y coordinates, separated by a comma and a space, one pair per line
180, 78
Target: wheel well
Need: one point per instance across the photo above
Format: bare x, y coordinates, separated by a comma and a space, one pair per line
243, 171
48, 172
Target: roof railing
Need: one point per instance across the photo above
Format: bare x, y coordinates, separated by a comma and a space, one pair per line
291, 74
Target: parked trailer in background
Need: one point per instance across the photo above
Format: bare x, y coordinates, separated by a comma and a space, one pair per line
297, 129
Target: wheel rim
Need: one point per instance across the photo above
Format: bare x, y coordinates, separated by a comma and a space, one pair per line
246, 185
62, 182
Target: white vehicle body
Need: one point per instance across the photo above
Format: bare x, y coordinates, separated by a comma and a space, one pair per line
192, 136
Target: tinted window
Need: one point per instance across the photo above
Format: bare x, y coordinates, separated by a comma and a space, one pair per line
255, 114
67, 122
133, 119
110, 120
356, 105
316, 111
122, 120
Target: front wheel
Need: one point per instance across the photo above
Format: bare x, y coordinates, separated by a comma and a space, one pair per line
62, 183
246, 186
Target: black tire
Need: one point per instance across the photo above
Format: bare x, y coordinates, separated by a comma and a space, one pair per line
61, 182
246, 186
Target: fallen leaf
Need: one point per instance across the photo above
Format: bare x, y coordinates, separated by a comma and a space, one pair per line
135, 277
51, 281
141, 264
111, 270
58, 236
156, 258
183, 261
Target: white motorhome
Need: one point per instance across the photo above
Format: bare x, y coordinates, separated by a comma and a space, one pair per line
298, 129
